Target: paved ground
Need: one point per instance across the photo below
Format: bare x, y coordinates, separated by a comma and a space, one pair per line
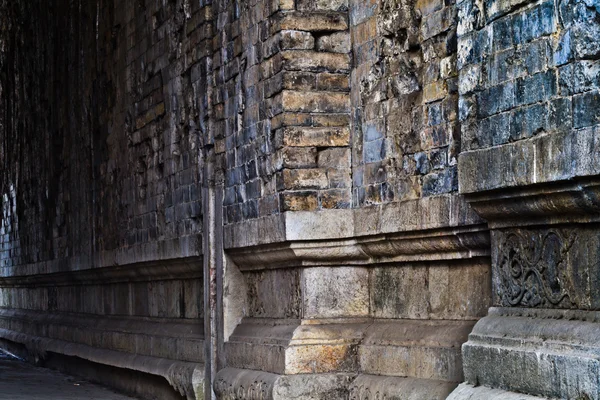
21, 381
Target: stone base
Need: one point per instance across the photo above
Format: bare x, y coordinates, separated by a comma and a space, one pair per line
241, 384
424, 349
136, 346
547, 353
469, 392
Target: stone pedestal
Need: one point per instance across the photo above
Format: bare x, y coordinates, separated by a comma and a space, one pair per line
332, 310
542, 337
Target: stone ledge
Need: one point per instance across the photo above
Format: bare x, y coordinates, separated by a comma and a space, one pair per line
562, 357
574, 201
152, 337
429, 213
188, 247
428, 245
244, 384
185, 377
397, 388
541, 159
177, 268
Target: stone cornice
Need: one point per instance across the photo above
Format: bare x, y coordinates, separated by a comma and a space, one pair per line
179, 268
573, 201
426, 245
431, 213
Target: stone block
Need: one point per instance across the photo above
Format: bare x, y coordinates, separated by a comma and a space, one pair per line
307, 21
314, 137
299, 157
336, 198
338, 42
296, 179
333, 82
315, 102
586, 109
535, 88
336, 292
335, 157
296, 40
299, 201
312, 61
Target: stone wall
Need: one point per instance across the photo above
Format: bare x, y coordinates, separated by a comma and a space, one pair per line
103, 108
307, 199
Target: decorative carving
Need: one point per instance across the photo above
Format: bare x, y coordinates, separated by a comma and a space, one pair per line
245, 386
533, 268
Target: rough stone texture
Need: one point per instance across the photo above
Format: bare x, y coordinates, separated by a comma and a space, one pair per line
528, 106
103, 105
308, 185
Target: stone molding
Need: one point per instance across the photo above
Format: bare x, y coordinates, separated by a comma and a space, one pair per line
573, 201
561, 346
428, 245
161, 251
406, 216
542, 159
179, 268
233, 383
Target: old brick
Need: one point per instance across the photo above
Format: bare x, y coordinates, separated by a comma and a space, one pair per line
299, 157
335, 157
303, 60
296, 179
329, 120
320, 22
586, 109
435, 91
299, 80
338, 42
315, 137
318, 102
299, 201
296, 40
335, 199
333, 82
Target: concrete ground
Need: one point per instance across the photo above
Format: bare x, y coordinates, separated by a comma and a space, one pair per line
22, 381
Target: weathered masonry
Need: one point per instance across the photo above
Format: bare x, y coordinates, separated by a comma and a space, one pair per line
304, 199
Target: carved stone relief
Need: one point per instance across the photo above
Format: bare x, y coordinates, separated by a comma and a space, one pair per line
536, 268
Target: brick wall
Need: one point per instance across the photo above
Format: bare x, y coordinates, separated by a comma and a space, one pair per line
101, 150
282, 106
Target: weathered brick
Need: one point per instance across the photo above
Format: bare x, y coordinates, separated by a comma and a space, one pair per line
338, 42
335, 199
303, 60
333, 82
296, 40
586, 109
307, 21
314, 137
435, 91
299, 157
317, 102
297, 179
334, 157
299, 201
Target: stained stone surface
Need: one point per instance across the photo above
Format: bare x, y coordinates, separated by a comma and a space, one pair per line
304, 199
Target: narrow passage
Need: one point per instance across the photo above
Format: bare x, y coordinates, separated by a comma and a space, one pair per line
22, 381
